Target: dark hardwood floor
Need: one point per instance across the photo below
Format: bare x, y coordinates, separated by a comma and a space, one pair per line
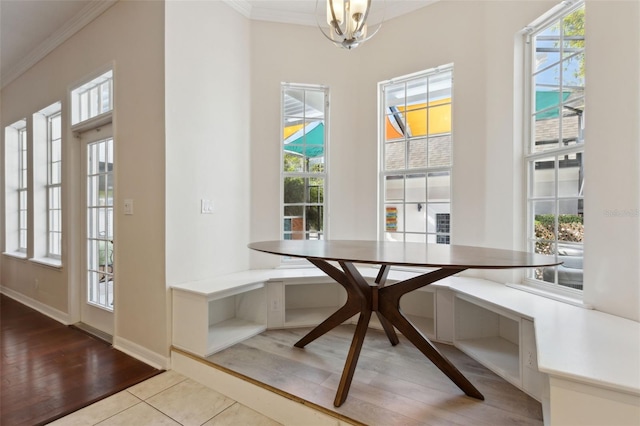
50, 370
392, 385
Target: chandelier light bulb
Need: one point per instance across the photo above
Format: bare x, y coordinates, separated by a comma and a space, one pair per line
346, 21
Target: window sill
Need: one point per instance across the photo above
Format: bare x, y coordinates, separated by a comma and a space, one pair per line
570, 299
16, 254
47, 261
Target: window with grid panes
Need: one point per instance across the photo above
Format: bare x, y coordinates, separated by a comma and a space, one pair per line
54, 185
416, 161
554, 150
23, 190
93, 98
304, 166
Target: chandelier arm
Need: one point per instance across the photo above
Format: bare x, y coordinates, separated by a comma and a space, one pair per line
334, 22
364, 18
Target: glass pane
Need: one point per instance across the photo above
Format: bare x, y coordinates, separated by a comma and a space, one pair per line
56, 127
434, 213
294, 190
314, 100
439, 119
416, 93
293, 211
394, 188
415, 217
543, 178
547, 49
544, 220
439, 186
56, 150
416, 121
93, 102
573, 71
109, 188
416, 188
570, 221
293, 162
440, 151
417, 153
394, 155
392, 236
315, 190
416, 238
394, 95
394, 218
440, 86
570, 175
573, 122
314, 216
56, 173
547, 86
395, 125
105, 96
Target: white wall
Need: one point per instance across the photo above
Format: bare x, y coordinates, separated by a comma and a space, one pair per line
129, 35
208, 109
612, 158
482, 40
436, 35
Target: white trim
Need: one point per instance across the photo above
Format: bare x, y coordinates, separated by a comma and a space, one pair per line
284, 410
553, 293
44, 309
47, 261
241, 6
91, 11
141, 353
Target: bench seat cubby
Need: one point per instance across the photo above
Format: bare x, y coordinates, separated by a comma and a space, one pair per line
211, 315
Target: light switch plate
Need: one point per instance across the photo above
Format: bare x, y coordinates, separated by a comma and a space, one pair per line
128, 206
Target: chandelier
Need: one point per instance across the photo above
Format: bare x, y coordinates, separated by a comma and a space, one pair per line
346, 21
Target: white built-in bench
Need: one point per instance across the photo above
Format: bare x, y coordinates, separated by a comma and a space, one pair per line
583, 365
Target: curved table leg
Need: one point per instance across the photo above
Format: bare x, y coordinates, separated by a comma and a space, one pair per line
389, 306
352, 358
352, 306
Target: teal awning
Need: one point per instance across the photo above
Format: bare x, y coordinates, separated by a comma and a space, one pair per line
308, 141
545, 101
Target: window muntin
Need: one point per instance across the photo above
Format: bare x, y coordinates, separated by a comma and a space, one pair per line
92, 99
416, 160
304, 153
555, 145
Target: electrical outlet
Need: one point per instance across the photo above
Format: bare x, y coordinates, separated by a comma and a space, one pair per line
275, 304
206, 206
530, 360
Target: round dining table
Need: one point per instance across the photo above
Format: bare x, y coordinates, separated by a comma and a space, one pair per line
364, 298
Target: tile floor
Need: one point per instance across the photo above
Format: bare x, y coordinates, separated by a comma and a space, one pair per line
166, 399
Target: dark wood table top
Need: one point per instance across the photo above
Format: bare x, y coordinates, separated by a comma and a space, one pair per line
405, 254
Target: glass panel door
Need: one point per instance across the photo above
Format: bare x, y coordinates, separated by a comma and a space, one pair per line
98, 265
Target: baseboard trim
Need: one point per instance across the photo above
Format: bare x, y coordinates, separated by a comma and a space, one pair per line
276, 404
141, 353
44, 309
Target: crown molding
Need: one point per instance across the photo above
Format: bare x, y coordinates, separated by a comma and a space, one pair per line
241, 6
88, 13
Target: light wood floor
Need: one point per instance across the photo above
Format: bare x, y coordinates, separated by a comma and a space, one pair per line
392, 385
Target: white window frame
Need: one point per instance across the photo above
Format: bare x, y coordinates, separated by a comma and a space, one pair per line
429, 171
54, 184
45, 160
559, 153
304, 174
92, 100
23, 190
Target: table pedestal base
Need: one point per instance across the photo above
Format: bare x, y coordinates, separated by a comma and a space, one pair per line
365, 299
